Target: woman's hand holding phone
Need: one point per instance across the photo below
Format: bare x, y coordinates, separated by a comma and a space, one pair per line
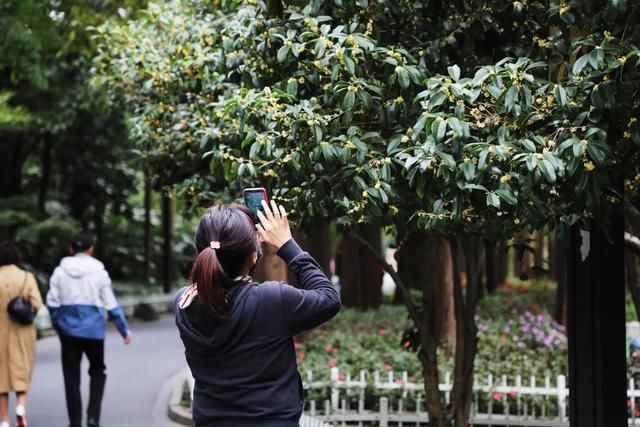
274, 226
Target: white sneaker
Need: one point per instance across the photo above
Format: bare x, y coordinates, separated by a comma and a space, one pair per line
21, 416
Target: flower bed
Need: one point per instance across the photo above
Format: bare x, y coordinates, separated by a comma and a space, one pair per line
514, 340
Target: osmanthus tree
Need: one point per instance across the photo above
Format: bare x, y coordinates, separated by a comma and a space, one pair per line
348, 119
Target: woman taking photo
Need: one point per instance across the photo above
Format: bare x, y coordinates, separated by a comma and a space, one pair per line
17, 342
238, 333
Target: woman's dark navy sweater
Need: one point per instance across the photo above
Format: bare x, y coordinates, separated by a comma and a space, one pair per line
245, 366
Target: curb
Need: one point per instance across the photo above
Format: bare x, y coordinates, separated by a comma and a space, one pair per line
175, 410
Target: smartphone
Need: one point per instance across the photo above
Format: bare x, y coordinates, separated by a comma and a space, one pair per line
253, 198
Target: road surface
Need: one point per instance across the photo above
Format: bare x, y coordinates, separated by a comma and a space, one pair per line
136, 374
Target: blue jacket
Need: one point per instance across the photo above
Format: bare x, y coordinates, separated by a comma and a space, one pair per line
245, 366
79, 294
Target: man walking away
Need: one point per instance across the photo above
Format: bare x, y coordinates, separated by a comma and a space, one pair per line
79, 293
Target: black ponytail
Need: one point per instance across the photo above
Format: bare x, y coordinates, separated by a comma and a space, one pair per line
214, 269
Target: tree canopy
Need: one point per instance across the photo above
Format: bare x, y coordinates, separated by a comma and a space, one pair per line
357, 111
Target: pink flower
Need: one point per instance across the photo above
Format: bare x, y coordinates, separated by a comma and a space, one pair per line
513, 394
407, 344
388, 367
301, 356
399, 381
382, 331
341, 377
296, 345
496, 396
332, 363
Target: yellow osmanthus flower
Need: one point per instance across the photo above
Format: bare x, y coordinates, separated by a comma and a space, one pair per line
301, 80
352, 40
626, 135
404, 139
589, 166
565, 9
622, 60
399, 100
352, 88
505, 178
369, 30
394, 210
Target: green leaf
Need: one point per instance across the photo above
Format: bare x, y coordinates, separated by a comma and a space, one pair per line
350, 65
561, 96
597, 99
282, 53
507, 196
437, 99
362, 147
441, 130
417, 128
447, 159
580, 64
454, 72
596, 153
510, 98
532, 162
455, 125
317, 132
365, 97
475, 187
360, 182
469, 170
403, 77
529, 145
493, 200
548, 171
349, 101
292, 87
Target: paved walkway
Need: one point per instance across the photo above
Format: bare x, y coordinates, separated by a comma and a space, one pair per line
136, 374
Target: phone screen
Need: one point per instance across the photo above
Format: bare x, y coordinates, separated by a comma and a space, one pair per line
253, 198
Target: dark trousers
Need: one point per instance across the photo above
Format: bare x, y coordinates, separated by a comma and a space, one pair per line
72, 350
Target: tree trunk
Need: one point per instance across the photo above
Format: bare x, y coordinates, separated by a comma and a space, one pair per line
147, 226
492, 265
560, 262
522, 259
318, 244
13, 153
538, 260
466, 329
444, 280
317, 241
360, 274
45, 168
276, 8
633, 279
167, 236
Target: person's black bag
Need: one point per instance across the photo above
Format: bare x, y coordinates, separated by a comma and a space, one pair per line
20, 309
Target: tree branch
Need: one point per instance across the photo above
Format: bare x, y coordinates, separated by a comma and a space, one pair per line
632, 243
406, 294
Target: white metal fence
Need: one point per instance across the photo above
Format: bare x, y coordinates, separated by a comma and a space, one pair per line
496, 402
516, 402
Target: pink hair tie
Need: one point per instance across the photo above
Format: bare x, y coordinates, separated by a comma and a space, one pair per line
214, 244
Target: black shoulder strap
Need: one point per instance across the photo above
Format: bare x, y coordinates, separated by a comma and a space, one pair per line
24, 283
